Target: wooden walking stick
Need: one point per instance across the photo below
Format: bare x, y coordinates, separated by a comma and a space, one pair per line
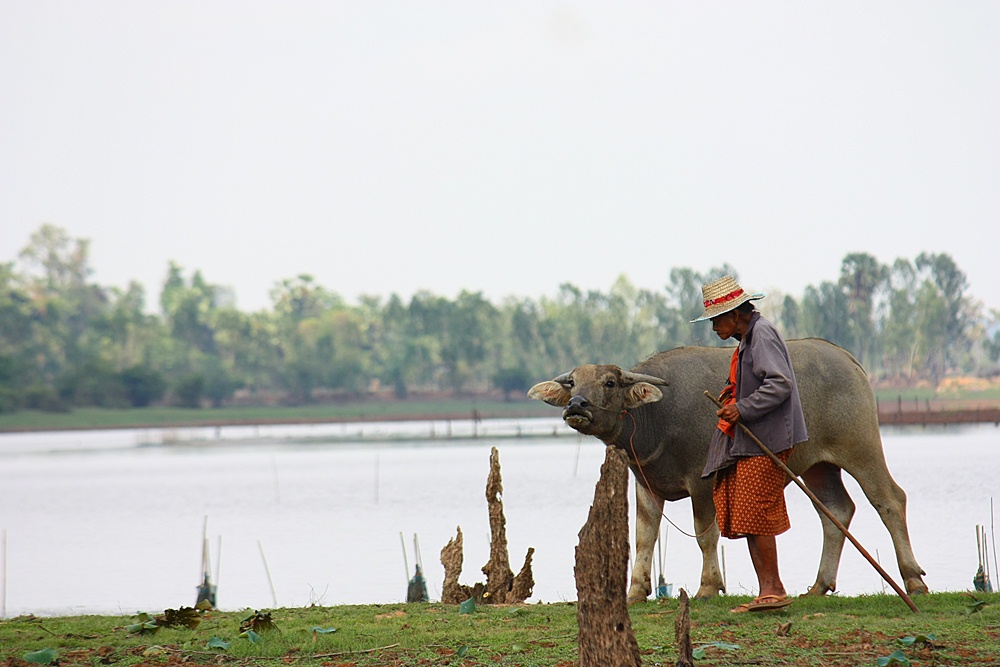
822, 508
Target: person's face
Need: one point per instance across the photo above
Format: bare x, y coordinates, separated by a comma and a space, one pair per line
724, 325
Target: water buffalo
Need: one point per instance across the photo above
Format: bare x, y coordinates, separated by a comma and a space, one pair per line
659, 415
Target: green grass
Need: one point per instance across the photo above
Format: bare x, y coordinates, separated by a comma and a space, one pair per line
823, 631
91, 418
922, 394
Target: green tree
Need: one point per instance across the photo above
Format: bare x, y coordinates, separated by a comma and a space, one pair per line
898, 335
790, 317
959, 314
65, 306
862, 278
512, 380
143, 385
825, 314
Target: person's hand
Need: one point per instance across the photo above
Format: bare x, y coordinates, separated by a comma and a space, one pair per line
729, 413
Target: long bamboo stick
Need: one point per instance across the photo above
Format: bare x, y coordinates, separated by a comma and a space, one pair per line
822, 508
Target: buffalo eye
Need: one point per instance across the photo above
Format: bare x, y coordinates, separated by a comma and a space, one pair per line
610, 384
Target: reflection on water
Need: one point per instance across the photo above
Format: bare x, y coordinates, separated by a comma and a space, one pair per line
112, 527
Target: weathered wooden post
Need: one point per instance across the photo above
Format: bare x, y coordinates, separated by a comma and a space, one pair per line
605, 629
682, 632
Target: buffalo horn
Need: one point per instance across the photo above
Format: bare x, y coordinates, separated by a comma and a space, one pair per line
563, 379
632, 378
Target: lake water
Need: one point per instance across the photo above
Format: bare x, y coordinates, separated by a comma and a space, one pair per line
105, 522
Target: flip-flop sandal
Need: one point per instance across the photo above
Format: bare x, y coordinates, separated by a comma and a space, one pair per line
740, 609
769, 602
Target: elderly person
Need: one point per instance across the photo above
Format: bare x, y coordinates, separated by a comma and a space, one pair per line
762, 394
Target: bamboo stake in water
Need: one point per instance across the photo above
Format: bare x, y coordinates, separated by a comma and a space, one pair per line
725, 581
993, 536
822, 508
267, 571
406, 563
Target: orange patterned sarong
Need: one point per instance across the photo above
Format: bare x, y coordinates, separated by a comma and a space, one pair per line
750, 497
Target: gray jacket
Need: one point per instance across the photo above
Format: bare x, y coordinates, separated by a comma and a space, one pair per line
766, 396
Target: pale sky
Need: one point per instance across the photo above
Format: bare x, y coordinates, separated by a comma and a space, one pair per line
507, 147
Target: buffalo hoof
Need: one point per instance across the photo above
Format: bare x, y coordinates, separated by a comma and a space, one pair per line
706, 593
916, 586
636, 595
819, 590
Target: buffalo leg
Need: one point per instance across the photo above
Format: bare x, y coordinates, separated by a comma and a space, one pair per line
648, 510
825, 480
707, 530
889, 500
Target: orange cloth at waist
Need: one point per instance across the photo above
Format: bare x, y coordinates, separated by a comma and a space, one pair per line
724, 426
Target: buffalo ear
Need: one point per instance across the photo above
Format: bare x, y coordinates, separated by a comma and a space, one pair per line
641, 393
551, 392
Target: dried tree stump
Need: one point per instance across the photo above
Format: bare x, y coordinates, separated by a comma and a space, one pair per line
453, 592
501, 586
499, 577
524, 582
605, 629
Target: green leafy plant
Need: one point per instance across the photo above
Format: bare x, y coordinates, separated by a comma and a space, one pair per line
927, 640
894, 658
975, 607
252, 636
467, 607
218, 642
147, 625
45, 656
188, 617
259, 621
699, 653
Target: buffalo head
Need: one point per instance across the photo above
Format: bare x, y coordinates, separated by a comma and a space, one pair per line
594, 397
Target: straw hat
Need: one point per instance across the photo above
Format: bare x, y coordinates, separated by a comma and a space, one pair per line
723, 295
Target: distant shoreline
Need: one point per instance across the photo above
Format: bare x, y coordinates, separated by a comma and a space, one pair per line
891, 413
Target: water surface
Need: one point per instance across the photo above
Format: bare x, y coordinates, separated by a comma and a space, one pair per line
97, 523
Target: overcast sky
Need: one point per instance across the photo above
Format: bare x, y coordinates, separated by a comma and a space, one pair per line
506, 147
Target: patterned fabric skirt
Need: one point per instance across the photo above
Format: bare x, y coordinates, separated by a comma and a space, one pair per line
750, 497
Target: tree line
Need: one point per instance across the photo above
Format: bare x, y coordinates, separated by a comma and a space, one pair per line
66, 341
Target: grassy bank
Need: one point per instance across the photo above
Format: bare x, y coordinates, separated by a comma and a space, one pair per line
97, 418
950, 630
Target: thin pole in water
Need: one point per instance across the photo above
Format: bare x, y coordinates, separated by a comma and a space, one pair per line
725, 583
994, 538
204, 549
979, 547
406, 563
267, 571
218, 560
659, 560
